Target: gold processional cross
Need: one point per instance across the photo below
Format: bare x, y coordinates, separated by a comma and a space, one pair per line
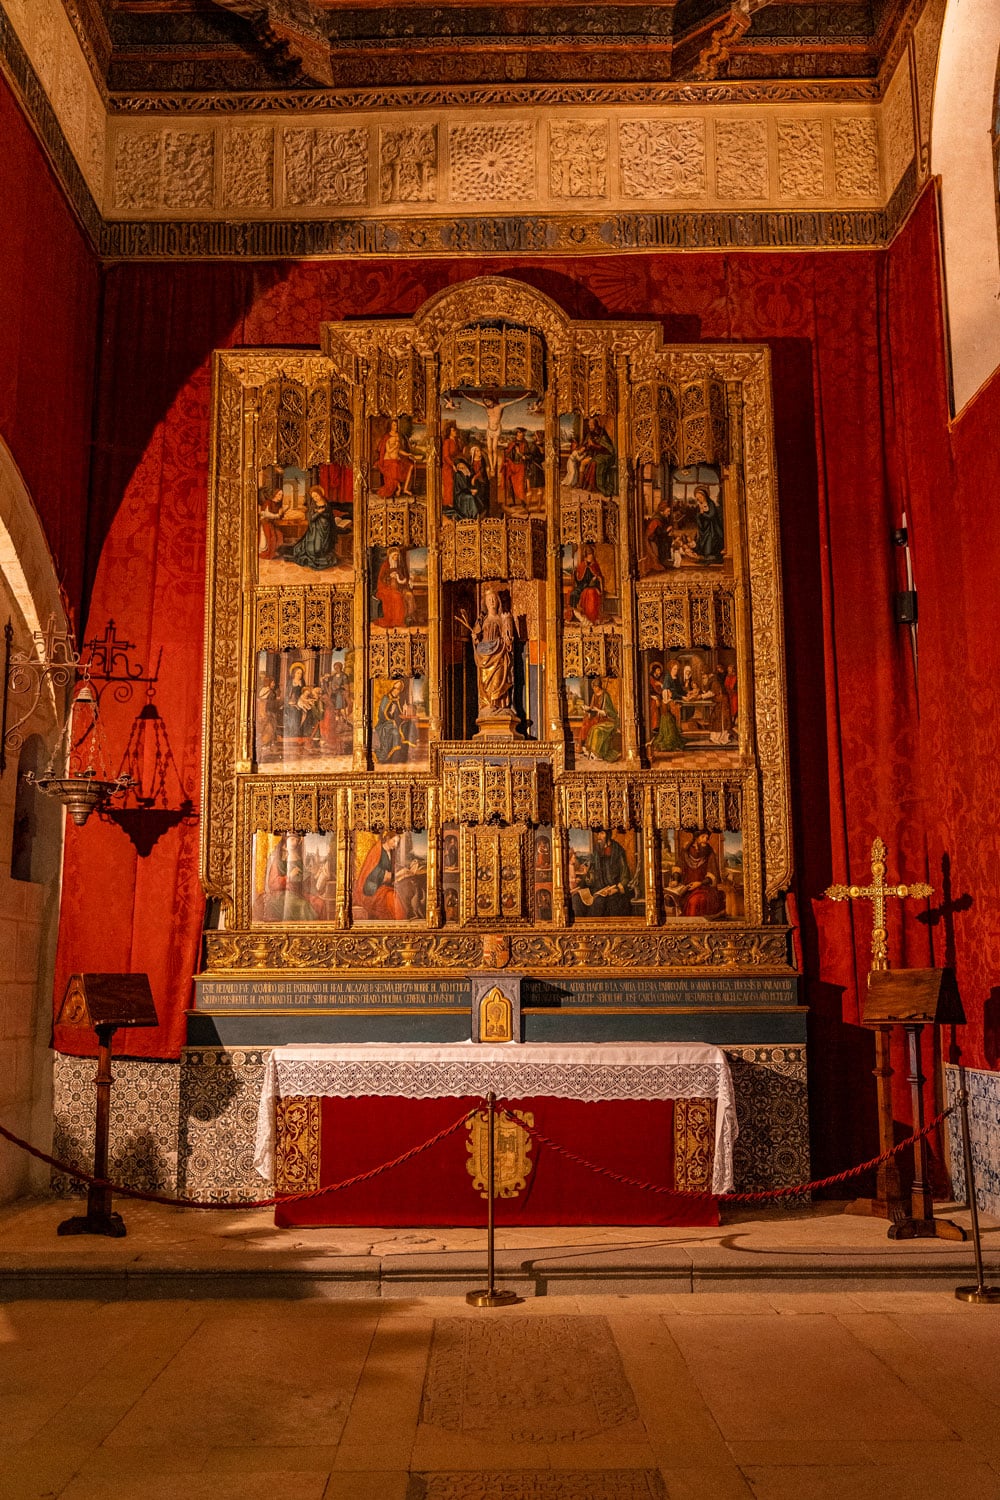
889, 1202
877, 894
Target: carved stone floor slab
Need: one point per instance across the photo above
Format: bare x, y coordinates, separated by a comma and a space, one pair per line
526, 1382
539, 1484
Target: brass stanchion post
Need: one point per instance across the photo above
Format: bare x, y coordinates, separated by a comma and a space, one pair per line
980, 1292
490, 1297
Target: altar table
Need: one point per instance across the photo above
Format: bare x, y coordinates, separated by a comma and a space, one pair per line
662, 1113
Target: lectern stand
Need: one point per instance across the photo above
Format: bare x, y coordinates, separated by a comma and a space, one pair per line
913, 999
103, 1002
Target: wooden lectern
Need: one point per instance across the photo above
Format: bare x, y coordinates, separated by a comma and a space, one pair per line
103, 1002
913, 999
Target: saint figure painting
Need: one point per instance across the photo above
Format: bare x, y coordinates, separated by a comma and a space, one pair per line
390, 877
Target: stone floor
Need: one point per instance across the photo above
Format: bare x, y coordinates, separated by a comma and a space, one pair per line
870, 1395
176, 1252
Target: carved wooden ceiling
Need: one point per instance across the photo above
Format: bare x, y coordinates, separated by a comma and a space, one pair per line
222, 46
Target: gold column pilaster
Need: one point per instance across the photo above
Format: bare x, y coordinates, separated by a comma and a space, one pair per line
626, 570
435, 622
553, 571
650, 862
559, 860
246, 748
342, 875
433, 839
362, 706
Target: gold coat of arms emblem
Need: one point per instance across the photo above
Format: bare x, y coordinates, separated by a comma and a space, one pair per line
511, 1153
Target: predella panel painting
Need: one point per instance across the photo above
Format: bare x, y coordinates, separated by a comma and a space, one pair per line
389, 877
702, 874
605, 873
293, 877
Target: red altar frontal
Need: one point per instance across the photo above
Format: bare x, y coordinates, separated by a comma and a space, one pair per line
660, 1114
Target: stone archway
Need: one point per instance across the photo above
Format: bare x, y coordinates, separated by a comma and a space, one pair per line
29, 907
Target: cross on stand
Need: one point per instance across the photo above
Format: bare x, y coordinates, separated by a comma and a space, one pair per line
889, 1202
877, 893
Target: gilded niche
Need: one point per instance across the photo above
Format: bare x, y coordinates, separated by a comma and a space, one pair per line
495, 650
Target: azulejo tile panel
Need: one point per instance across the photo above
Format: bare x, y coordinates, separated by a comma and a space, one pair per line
189, 1127
772, 1107
145, 1101
219, 1096
984, 1136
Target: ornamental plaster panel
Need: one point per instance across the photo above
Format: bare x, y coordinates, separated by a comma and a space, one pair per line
248, 167
741, 168
325, 168
855, 158
171, 169
662, 158
188, 169
137, 170
578, 158
801, 159
897, 125
491, 162
694, 149
408, 163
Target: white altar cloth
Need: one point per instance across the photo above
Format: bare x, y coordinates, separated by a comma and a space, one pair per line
513, 1070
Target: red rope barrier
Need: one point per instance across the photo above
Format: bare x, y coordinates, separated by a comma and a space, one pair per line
543, 1140
121, 1191
784, 1192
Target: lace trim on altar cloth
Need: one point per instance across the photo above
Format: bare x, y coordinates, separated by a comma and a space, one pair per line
439, 1080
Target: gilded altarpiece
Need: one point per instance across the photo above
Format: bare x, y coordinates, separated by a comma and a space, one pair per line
494, 668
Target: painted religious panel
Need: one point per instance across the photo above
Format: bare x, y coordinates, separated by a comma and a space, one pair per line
588, 458
541, 870
590, 583
451, 876
398, 587
691, 700
389, 880
399, 458
492, 453
305, 525
682, 520
702, 874
293, 877
303, 705
605, 873
595, 717
399, 721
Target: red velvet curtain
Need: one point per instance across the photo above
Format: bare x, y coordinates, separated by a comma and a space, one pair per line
49, 309
849, 426
948, 477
